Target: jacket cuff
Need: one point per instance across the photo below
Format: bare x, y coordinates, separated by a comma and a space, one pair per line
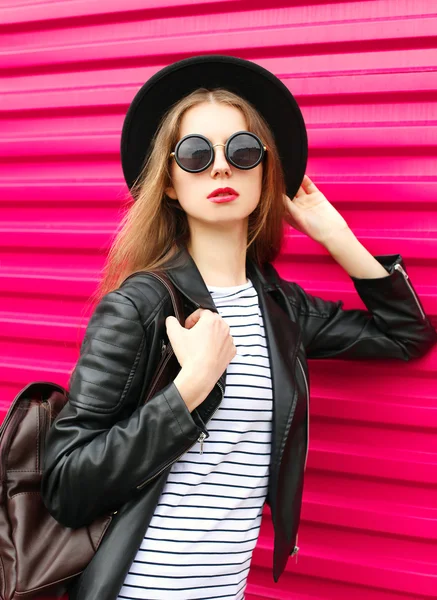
389, 262
395, 287
180, 411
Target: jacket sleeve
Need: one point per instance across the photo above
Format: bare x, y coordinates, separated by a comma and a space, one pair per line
394, 326
97, 453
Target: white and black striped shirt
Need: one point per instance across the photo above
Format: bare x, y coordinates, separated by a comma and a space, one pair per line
200, 540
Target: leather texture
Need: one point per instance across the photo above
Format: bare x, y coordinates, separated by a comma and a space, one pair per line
37, 553
106, 452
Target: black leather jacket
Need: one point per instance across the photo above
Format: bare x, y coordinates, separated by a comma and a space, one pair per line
108, 452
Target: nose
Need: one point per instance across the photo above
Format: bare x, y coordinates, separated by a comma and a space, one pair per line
220, 165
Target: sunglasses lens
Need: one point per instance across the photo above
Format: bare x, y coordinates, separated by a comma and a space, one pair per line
244, 150
194, 154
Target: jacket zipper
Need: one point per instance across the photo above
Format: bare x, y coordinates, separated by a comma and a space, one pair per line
399, 268
308, 411
296, 548
203, 435
200, 439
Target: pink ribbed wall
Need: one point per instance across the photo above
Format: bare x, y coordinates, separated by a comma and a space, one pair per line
365, 76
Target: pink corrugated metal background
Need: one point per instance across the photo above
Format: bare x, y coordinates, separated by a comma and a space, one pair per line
365, 76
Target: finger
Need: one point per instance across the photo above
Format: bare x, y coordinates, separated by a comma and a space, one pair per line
172, 325
300, 192
192, 319
308, 185
292, 209
291, 204
293, 215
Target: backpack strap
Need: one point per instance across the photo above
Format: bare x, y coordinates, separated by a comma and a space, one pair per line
160, 378
174, 295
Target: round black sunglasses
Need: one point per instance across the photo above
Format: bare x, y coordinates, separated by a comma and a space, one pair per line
195, 153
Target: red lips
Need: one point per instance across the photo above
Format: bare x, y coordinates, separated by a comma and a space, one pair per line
227, 190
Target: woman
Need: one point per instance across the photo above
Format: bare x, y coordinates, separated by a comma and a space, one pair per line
188, 473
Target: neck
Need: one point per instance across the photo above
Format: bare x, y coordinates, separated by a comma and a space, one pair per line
220, 253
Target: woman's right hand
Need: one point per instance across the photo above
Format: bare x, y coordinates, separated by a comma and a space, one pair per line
205, 343
204, 348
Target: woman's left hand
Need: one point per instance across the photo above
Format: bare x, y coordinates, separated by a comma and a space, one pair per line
311, 213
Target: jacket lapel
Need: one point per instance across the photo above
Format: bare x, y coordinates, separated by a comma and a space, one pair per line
187, 278
282, 341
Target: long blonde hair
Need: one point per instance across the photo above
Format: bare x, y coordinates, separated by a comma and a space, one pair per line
154, 225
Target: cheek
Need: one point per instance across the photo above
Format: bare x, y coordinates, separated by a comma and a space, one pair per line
186, 190
259, 185
180, 181
257, 182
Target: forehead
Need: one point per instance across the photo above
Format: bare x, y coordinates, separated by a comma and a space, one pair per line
216, 121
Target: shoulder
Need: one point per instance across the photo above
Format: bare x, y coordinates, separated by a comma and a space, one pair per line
137, 299
145, 293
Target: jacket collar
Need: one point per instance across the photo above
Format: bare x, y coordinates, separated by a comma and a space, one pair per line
186, 277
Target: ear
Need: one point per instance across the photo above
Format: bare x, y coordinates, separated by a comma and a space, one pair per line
171, 193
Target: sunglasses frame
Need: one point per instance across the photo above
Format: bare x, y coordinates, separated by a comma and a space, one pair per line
226, 147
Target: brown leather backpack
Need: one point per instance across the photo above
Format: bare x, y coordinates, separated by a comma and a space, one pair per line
38, 554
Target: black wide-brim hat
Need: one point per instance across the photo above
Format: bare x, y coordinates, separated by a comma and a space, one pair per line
260, 87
